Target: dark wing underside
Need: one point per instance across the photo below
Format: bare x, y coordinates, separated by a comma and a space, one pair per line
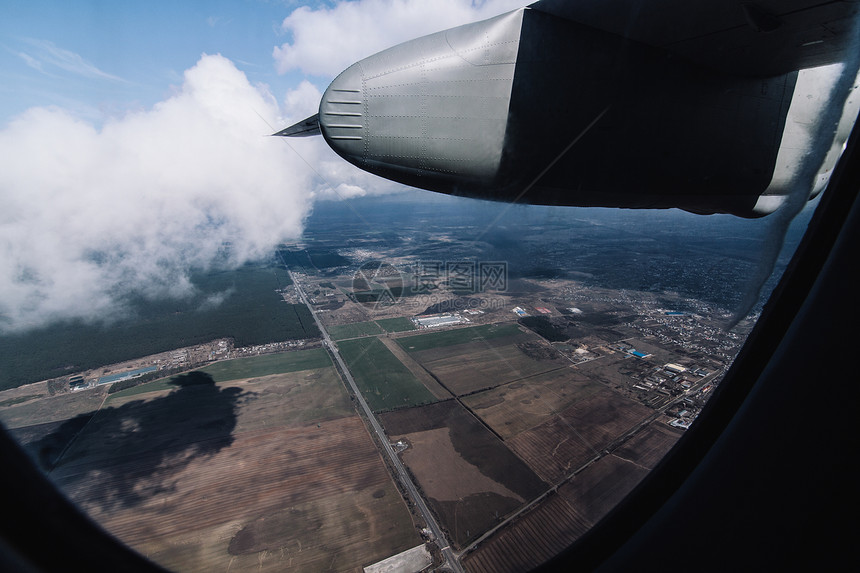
763, 38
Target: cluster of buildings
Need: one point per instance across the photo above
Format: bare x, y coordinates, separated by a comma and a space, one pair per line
626, 348
128, 375
437, 320
520, 311
79, 382
690, 331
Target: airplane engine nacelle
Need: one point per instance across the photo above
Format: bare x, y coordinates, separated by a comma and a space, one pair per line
432, 112
538, 109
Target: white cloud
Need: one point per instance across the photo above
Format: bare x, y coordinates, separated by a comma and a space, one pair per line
346, 191
215, 300
333, 177
327, 40
31, 61
92, 214
49, 55
302, 102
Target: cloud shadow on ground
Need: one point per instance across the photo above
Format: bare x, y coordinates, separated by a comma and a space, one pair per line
124, 455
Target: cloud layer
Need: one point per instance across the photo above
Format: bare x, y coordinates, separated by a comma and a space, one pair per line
47, 57
327, 40
90, 214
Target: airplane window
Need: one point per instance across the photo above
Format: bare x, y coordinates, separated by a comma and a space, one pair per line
480, 287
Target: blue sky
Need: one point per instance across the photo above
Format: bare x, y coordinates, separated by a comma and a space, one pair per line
101, 59
51, 49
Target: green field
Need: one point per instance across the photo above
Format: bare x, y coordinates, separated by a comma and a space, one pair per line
344, 331
384, 381
399, 324
241, 304
20, 399
154, 386
421, 342
269, 364
240, 368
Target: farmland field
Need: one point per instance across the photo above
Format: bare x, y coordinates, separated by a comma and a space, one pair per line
421, 342
354, 330
384, 381
483, 362
417, 370
274, 472
558, 520
284, 499
51, 408
483, 368
268, 364
534, 538
560, 445
595, 491
294, 399
649, 446
519, 406
244, 368
466, 473
398, 324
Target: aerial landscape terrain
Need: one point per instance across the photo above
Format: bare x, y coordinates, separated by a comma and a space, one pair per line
469, 386
427, 286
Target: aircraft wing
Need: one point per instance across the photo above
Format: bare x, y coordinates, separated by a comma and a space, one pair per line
712, 106
304, 128
762, 38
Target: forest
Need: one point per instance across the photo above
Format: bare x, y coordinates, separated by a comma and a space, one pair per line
242, 304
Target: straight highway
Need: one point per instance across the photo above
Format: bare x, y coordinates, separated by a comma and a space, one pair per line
450, 560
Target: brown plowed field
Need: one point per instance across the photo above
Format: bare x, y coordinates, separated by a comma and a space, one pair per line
552, 450
293, 399
518, 406
534, 538
474, 366
566, 441
467, 474
602, 486
559, 519
420, 419
649, 445
265, 474
50, 408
